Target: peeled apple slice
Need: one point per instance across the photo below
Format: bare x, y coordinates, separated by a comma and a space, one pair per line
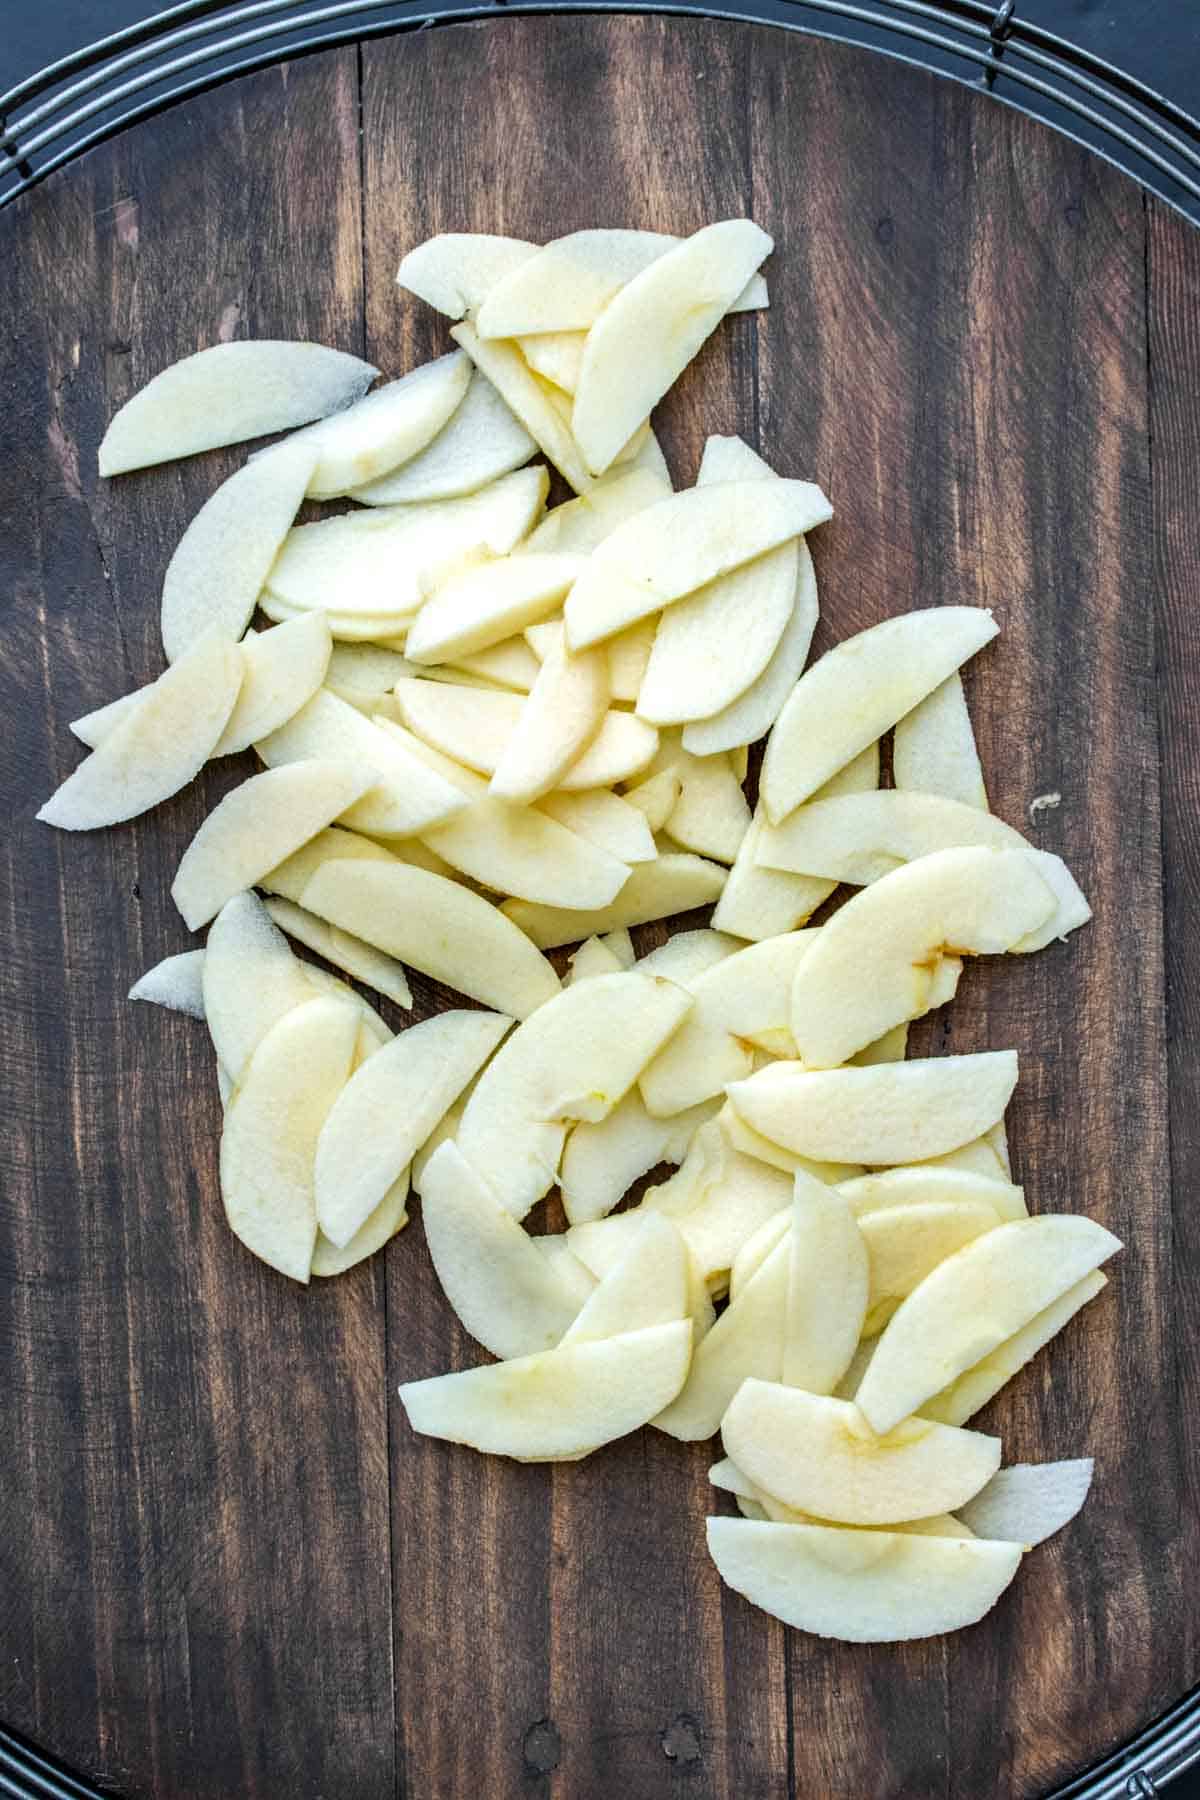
577, 526
487, 604
282, 670
928, 1182
906, 1243
177, 982
561, 1403
645, 1287
888, 1113
228, 393
362, 961
456, 270
880, 1587
386, 428
1028, 1502
828, 1285
747, 1340
711, 815
655, 890
479, 442
565, 709
601, 1162
933, 748
972, 1303
555, 356
222, 560
972, 1390
159, 746
250, 980
604, 819
269, 1138
688, 954
290, 878
529, 400
389, 1217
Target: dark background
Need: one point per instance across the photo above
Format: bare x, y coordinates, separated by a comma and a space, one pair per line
1158, 41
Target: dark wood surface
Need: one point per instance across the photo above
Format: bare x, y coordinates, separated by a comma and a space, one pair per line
227, 1567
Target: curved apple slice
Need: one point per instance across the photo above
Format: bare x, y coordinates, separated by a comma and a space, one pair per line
578, 525
1028, 1502
747, 1340
906, 1243
561, 1403
389, 1107
282, 670
591, 959
858, 690
530, 400
290, 878
876, 963
159, 745
389, 1217
604, 819
925, 1182
655, 890
474, 726
575, 1275
250, 980
565, 709
228, 393
177, 982
688, 955
437, 926
647, 1286
257, 826
711, 815
820, 1456
506, 1292
456, 270
878, 1587
972, 1390
362, 961
272, 1122
386, 428
575, 1058
555, 356
486, 604
601, 1162
479, 443
651, 329
933, 748
751, 1143
828, 1285
972, 1303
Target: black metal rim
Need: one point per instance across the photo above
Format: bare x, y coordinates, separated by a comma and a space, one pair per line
55, 116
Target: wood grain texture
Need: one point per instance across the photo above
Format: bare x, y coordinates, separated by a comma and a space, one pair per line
226, 1564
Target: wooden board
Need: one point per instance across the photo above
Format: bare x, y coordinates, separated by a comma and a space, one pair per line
227, 1567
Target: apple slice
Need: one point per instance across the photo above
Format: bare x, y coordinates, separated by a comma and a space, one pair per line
979, 1158
255, 827
389, 427
556, 356
656, 797
250, 980
565, 709
755, 1251
456, 270
648, 1286
858, 690
741, 1002
891, 1113
578, 526
177, 982
344, 627
480, 442
747, 1340
529, 400
752, 1143
404, 796
290, 878
269, 1139
228, 393
828, 1286
893, 1045
560, 1403
158, 747
925, 1183
880, 1587
362, 961
906, 1243
508, 664
710, 816
977, 1385
389, 1217
877, 961
682, 543
820, 1456
602, 1161
591, 959
722, 1204
604, 819
509, 1297
488, 603
972, 1303
648, 332
434, 925
1028, 1502
474, 726
687, 955
933, 748
655, 890
575, 1058
575, 1276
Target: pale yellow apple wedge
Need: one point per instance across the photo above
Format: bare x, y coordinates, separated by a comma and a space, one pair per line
879, 1587
972, 1303
290, 878
555, 356
228, 393
1028, 1502
922, 1183
480, 442
906, 1243
655, 890
970, 1391
563, 1402
591, 959
647, 1286
574, 1058
456, 270
686, 955
718, 1199
436, 926
604, 819
177, 982
488, 603
876, 963
474, 726
529, 400
655, 797
828, 1287
269, 1138
282, 670
889, 1113
858, 690
389, 1218
578, 526
752, 1143
566, 707
711, 815
755, 1251
651, 329
679, 545
363, 961
386, 428
747, 1340
933, 748
601, 1161
159, 745
575, 1276
508, 664
250, 980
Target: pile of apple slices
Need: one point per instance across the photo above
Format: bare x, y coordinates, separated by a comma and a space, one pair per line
489, 730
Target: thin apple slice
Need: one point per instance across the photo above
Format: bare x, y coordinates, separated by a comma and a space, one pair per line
387, 428
906, 1243
603, 1244
891, 1113
529, 400
933, 748
575, 1058
893, 1045
656, 797
728, 1200
272, 1122
858, 690
621, 945
389, 1217
282, 670
256, 826
221, 562
879, 1587
687, 955
574, 1275
344, 627
473, 727
876, 962
480, 442
828, 1288
672, 549
508, 1295
602, 1161
404, 795
711, 815
560, 1403
159, 746
591, 959
508, 664
648, 332
751, 1143
970, 1391
729, 1478
436, 926
604, 819
489, 603
621, 749
578, 526
820, 1456
362, 961
655, 890
1028, 1502
389, 1107
972, 1303
747, 1340
177, 982
565, 709
290, 878
456, 270
755, 1251
556, 356
250, 980
228, 393
923, 1183
648, 1286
